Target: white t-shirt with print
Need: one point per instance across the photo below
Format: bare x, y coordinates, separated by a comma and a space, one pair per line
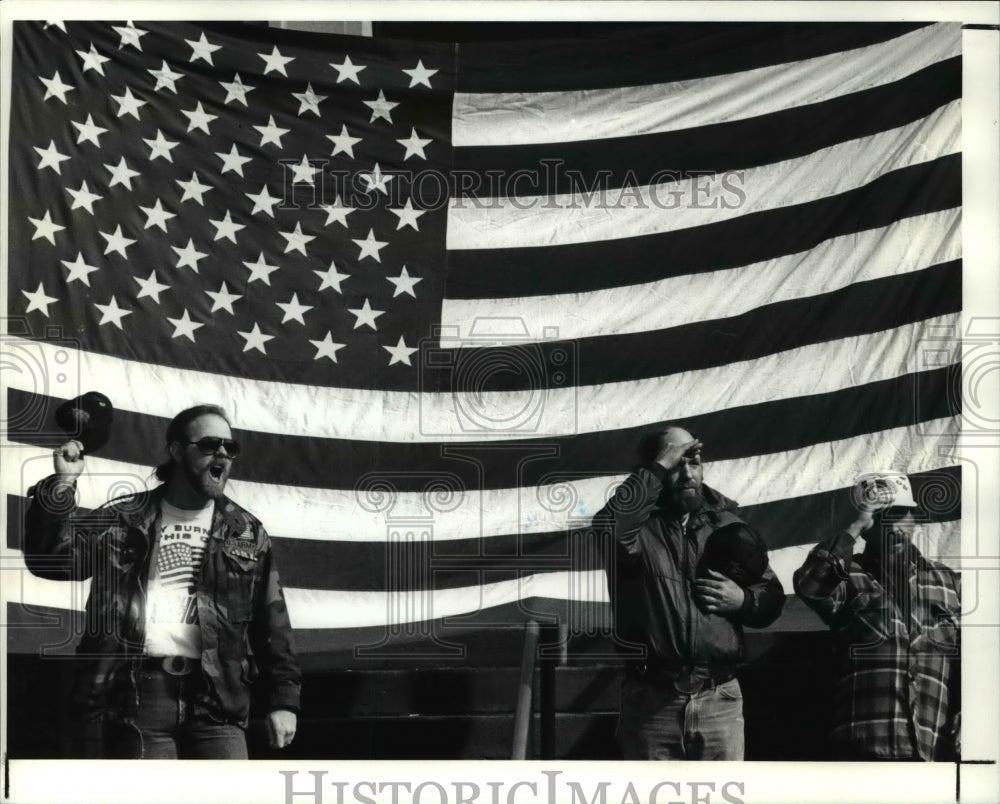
171, 613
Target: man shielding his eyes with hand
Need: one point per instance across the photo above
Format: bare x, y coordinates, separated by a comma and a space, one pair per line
185, 608
681, 698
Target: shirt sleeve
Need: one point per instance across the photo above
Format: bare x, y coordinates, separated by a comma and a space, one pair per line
826, 584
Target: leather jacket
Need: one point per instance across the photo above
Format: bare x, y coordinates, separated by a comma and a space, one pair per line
655, 562
244, 623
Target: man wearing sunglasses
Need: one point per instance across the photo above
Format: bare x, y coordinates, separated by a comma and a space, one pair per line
185, 609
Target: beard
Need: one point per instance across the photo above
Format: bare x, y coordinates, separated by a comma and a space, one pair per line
683, 501
204, 482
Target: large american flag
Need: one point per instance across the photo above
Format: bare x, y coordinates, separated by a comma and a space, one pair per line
444, 289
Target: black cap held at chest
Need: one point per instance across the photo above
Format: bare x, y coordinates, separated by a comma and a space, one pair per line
737, 552
87, 418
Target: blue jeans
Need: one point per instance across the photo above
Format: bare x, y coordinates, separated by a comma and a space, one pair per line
167, 728
657, 722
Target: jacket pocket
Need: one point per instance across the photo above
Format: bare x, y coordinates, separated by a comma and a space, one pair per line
236, 586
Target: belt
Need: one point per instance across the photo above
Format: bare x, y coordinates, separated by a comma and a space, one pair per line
687, 680
171, 665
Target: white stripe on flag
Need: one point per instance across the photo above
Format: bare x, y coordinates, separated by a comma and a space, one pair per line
310, 608
907, 245
366, 415
552, 220
562, 500
515, 118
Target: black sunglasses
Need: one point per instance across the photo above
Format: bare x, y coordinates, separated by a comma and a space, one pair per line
209, 445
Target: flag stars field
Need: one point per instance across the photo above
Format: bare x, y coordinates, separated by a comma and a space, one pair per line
83, 198
194, 190
150, 287
293, 310
337, 212
79, 270
202, 49
331, 278
407, 216
39, 300
255, 339
157, 216
189, 256
121, 174
117, 242
55, 87
45, 227
420, 75
51, 158
165, 78
92, 60
326, 348
347, 71
263, 202
400, 353
365, 316
275, 62
309, 101
236, 90
260, 270
199, 119
271, 134
130, 35
112, 314
232, 161
370, 247
223, 299
184, 327
128, 104
343, 143
381, 108
88, 131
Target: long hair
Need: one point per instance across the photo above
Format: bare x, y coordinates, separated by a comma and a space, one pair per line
177, 431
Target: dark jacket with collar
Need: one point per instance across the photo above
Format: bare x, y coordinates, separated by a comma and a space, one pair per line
654, 564
245, 629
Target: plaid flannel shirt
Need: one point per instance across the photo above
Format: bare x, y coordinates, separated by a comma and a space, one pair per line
898, 693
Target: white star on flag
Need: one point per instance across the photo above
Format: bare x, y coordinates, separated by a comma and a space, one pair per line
38, 300
88, 131
414, 145
331, 278
184, 326
420, 75
55, 24
199, 118
111, 313
51, 158
271, 133
121, 174
202, 49
407, 215
55, 88
128, 103
79, 270
236, 90
44, 227
117, 241
150, 287
92, 60
336, 212
400, 353
165, 78
263, 202
365, 316
293, 310
376, 181
232, 161
346, 71
303, 172
160, 147
255, 339
275, 62
157, 216
260, 270
130, 35
227, 227
343, 143
189, 256
222, 299
326, 348
296, 240
309, 101
380, 107
370, 247
194, 189
83, 197
404, 283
